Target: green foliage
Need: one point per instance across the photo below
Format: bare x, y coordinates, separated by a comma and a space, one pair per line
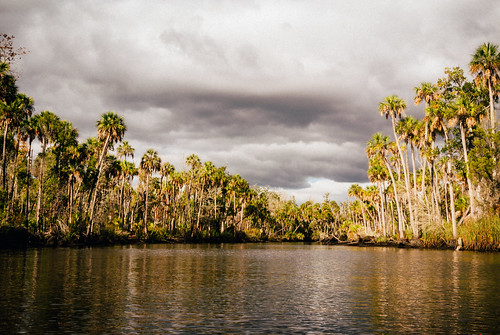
72, 186
481, 234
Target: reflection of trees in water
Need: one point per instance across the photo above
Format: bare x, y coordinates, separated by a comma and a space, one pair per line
273, 287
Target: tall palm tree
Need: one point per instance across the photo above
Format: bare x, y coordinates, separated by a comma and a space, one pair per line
12, 115
194, 164
125, 150
150, 162
485, 67
357, 192
380, 147
28, 135
110, 129
426, 92
128, 171
45, 125
406, 129
394, 107
466, 113
377, 174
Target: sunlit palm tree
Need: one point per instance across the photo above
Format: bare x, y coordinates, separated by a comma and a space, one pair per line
426, 92
12, 115
394, 107
45, 125
466, 113
380, 147
485, 67
357, 192
110, 129
150, 162
125, 150
377, 174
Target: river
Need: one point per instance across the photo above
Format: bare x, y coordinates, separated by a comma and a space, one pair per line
267, 288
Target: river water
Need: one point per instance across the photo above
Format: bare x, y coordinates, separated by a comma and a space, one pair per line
268, 288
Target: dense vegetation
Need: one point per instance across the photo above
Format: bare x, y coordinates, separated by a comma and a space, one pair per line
439, 178
78, 190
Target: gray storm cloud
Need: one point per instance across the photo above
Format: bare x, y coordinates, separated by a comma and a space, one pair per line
285, 94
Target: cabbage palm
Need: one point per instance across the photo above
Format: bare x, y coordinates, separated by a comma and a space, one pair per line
380, 146
426, 92
12, 115
394, 107
466, 113
150, 162
406, 128
45, 125
485, 67
377, 174
110, 129
357, 192
125, 150
28, 135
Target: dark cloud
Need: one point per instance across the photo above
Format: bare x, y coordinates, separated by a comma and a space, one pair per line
286, 96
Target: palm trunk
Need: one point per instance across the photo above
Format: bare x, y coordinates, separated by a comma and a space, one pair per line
121, 215
382, 209
90, 229
28, 178
414, 168
452, 205
40, 186
4, 156
492, 108
400, 219
70, 191
407, 180
146, 206
469, 182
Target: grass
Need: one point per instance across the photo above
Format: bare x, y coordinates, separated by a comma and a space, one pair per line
481, 234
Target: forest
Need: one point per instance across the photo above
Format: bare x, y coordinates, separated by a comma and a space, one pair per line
434, 181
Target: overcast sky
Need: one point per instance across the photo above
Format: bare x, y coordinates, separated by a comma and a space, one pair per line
285, 93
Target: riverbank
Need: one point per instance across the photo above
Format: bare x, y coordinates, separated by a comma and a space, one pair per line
20, 237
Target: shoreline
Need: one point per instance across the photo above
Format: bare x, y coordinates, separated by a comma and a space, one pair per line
21, 238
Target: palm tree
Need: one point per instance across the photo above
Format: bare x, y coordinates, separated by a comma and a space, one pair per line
165, 171
406, 129
194, 164
128, 171
205, 177
150, 163
13, 114
357, 192
45, 125
466, 113
379, 147
125, 150
377, 174
394, 107
426, 92
485, 67
28, 134
110, 129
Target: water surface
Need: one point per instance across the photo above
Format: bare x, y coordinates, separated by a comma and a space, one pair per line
248, 288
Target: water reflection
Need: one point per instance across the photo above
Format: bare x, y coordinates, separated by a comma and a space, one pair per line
254, 288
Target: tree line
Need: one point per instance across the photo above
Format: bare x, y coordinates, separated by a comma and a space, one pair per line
432, 179
80, 189
437, 174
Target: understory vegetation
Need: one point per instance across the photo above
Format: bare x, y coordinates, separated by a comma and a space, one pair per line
437, 179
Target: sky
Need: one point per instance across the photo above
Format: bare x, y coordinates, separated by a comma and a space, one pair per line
284, 93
